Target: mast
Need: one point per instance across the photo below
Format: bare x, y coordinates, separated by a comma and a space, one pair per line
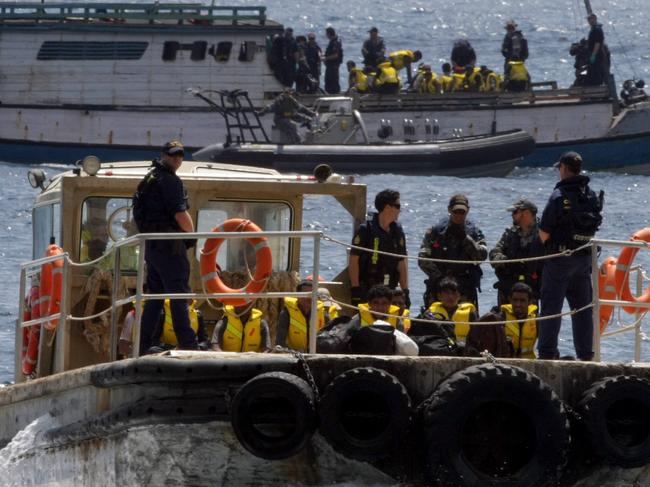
588, 7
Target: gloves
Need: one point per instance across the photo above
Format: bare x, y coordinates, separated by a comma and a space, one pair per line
407, 298
592, 59
355, 296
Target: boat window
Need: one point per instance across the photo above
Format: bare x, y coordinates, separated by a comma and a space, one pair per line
104, 221
236, 255
47, 228
90, 50
170, 48
247, 51
222, 52
199, 49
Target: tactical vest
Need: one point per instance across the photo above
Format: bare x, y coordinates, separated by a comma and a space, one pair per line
460, 318
168, 334
298, 333
522, 334
368, 319
580, 220
239, 337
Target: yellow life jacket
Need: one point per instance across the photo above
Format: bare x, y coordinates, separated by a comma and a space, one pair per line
368, 319
528, 330
493, 82
446, 82
406, 322
360, 79
460, 317
333, 312
168, 334
457, 82
399, 58
517, 71
239, 337
298, 333
387, 75
431, 86
474, 82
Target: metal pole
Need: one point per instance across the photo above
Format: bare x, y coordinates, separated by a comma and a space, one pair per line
596, 300
112, 351
18, 373
313, 319
588, 7
638, 316
135, 349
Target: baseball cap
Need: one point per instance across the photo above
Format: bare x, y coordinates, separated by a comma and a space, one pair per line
523, 204
459, 202
373, 29
571, 159
511, 23
311, 35
173, 147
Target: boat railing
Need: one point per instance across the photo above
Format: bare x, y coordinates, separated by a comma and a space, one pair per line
193, 13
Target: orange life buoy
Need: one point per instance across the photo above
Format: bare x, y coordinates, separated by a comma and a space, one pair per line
31, 334
607, 290
622, 275
263, 259
51, 284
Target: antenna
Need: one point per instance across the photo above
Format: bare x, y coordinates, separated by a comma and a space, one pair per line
588, 7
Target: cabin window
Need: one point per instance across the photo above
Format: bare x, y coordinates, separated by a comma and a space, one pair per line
197, 50
237, 255
104, 221
247, 51
170, 48
222, 51
90, 50
46, 227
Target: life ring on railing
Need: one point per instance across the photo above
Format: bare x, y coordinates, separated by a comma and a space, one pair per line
51, 285
607, 290
31, 334
622, 275
263, 259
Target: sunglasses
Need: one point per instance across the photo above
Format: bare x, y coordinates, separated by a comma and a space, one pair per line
459, 212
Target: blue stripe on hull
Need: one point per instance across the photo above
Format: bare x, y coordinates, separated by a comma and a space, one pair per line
601, 155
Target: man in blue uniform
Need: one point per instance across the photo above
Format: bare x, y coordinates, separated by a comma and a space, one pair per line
380, 233
160, 205
332, 59
596, 49
570, 219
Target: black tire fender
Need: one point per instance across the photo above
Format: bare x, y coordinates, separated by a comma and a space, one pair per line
494, 425
365, 413
274, 415
615, 414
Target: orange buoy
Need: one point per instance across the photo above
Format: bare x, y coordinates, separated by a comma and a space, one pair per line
622, 275
264, 263
51, 285
607, 290
31, 334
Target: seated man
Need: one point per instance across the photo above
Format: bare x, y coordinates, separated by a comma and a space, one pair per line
332, 310
242, 329
448, 308
399, 299
379, 301
293, 322
521, 335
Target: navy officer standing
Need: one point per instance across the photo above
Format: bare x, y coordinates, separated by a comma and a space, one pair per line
160, 205
570, 219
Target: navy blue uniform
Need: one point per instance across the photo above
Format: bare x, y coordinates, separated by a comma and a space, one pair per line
571, 217
335, 51
596, 70
168, 269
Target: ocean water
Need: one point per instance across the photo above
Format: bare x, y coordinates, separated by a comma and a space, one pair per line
550, 27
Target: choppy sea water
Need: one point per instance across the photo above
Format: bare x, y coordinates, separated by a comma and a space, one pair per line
550, 26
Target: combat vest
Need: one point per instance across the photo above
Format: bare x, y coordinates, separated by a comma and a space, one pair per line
367, 319
581, 215
522, 334
387, 75
517, 71
398, 58
239, 337
517, 45
460, 318
168, 334
373, 266
298, 333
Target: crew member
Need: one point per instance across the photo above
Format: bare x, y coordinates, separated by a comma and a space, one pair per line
450, 308
313, 53
332, 59
283, 53
163, 199
595, 48
404, 59
462, 54
286, 112
294, 319
242, 329
514, 46
453, 238
357, 79
373, 49
521, 335
570, 220
520, 241
382, 233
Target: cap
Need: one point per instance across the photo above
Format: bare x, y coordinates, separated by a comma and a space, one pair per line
325, 296
311, 35
303, 283
511, 23
523, 204
173, 147
459, 202
571, 159
373, 29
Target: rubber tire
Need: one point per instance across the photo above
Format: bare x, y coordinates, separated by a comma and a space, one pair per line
611, 396
522, 405
284, 393
365, 392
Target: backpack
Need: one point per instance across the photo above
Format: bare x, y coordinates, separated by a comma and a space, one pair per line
374, 340
585, 215
335, 336
138, 206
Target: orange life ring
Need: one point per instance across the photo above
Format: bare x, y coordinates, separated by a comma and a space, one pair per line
31, 334
263, 259
51, 284
607, 290
622, 275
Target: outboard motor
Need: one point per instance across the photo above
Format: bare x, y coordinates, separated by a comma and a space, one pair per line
633, 92
385, 129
